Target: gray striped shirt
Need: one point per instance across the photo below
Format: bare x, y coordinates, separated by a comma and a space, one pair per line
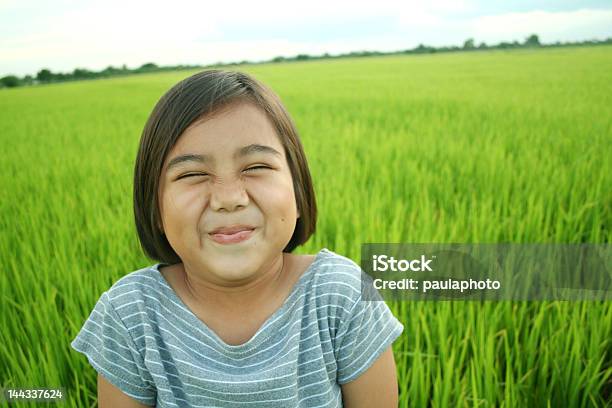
143, 339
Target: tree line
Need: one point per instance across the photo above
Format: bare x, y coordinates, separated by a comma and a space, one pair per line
45, 76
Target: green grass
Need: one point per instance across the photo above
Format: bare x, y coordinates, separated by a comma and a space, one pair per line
467, 147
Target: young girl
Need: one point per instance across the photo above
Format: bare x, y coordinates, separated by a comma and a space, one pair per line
230, 317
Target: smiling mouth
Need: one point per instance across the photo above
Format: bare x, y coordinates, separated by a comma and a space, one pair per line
232, 237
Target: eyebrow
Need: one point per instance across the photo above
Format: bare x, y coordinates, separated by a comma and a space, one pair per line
206, 158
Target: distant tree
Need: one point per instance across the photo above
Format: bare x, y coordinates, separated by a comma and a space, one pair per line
532, 41
81, 73
468, 44
60, 76
10, 81
301, 57
110, 70
482, 46
148, 65
28, 80
44, 75
504, 45
423, 48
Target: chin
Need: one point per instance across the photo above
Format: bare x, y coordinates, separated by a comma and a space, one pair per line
233, 265
232, 274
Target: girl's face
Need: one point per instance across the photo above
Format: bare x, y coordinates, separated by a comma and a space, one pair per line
226, 174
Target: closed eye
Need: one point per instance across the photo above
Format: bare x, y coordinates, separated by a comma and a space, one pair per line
256, 168
191, 175
206, 174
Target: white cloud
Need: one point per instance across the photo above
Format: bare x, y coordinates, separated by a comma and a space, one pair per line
95, 34
427, 27
430, 14
550, 26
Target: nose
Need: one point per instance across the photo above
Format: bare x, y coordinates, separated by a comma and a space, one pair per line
228, 196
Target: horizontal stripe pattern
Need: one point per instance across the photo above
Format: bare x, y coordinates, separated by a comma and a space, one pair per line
145, 341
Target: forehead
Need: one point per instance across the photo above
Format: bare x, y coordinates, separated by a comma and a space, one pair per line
238, 125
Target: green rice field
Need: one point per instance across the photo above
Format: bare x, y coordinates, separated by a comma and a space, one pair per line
495, 146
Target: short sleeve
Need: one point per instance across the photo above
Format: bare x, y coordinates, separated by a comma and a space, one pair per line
111, 351
366, 332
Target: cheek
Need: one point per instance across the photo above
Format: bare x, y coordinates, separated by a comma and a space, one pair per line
282, 200
181, 206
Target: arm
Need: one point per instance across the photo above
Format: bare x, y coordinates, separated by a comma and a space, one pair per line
110, 396
376, 387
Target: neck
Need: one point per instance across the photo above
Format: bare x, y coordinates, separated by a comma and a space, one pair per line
243, 296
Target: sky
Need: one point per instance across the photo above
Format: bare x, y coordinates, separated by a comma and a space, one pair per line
62, 35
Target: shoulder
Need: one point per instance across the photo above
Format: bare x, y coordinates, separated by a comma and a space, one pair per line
134, 283
331, 266
135, 291
336, 280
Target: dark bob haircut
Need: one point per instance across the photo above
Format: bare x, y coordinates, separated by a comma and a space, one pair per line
196, 98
